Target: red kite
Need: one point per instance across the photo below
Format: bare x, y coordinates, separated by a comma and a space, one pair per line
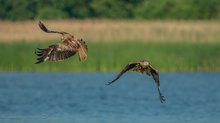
142, 67
67, 47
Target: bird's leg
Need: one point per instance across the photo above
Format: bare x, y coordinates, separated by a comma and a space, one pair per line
162, 98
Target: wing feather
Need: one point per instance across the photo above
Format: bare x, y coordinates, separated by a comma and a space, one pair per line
55, 52
155, 75
44, 28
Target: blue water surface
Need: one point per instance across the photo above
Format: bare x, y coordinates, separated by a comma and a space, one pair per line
84, 98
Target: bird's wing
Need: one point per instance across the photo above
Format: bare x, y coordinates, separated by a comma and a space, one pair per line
155, 75
44, 28
126, 68
57, 52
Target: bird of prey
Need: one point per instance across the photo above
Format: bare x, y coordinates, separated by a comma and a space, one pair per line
67, 47
142, 67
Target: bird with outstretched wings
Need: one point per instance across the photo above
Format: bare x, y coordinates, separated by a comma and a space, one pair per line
67, 47
142, 67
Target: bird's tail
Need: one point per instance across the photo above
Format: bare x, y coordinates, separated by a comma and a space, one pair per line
82, 54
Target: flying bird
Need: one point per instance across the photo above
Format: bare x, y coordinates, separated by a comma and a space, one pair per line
142, 67
67, 47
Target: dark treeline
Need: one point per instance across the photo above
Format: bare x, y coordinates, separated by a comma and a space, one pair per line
111, 9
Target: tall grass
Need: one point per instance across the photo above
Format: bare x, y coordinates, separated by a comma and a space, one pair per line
118, 30
182, 57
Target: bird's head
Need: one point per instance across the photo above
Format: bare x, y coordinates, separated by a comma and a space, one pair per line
145, 62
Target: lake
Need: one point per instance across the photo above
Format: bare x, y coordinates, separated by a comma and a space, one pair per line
84, 98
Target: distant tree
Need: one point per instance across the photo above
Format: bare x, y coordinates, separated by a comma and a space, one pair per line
113, 9
51, 13
17, 9
178, 9
206, 9
50, 9
78, 8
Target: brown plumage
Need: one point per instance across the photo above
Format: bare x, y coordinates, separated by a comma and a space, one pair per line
142, 67
67, 47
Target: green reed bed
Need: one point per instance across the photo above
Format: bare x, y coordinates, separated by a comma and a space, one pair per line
113, 56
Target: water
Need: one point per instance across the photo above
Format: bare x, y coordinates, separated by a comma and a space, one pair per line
84, 97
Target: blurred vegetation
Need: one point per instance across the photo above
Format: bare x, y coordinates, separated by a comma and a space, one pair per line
110, 9
180, 57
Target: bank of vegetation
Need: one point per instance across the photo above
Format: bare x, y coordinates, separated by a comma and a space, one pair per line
112, 56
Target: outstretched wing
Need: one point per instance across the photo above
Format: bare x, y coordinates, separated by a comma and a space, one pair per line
57, 52
126, 68
44, 28
155, 75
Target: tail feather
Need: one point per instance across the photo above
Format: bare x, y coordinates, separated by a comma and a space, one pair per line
82, 50
82, 54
